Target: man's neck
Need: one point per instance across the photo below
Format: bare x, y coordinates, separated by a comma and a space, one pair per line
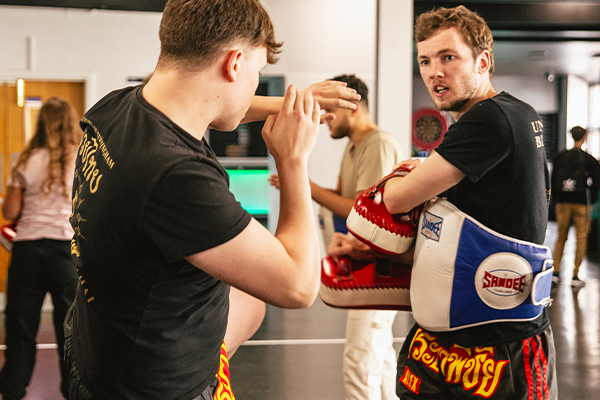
486, 91
361, 130
177, 96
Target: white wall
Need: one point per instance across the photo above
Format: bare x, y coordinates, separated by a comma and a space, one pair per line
394, 74
537, 91
99, 46
577, 105
323, 39
593, 135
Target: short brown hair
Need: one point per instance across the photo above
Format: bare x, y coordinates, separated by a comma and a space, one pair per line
473, 29
193, 32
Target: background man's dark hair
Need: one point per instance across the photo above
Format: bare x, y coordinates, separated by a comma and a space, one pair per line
355, 83
578, 133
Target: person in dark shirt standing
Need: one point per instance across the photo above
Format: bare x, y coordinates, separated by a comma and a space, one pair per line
575, 185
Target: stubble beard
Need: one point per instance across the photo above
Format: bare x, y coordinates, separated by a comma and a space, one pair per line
340, 131
467, 89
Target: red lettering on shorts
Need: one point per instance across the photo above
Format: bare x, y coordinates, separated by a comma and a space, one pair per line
411, 381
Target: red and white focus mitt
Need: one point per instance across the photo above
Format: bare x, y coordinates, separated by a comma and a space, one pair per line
7, 234
370, 221
379, 284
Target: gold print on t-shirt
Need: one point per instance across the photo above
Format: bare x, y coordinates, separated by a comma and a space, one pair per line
87, 175
103, 149
89, 168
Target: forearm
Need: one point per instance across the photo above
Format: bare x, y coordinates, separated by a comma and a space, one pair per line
434, 176
397, 196
332, 200
330, 94
13, 202
296, 229
261, 107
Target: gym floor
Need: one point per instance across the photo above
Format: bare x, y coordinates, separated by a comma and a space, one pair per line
297, 354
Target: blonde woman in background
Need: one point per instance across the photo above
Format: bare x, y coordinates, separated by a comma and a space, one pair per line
38, 194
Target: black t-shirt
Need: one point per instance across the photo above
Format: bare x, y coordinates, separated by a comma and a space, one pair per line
146, 194
498, 144
583, 172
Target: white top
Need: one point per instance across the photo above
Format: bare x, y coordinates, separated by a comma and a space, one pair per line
42, 217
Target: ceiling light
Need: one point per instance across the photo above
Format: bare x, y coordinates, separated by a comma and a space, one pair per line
538, 53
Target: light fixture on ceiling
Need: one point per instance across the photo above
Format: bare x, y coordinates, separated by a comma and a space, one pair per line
20, 92
538, 54
550, 76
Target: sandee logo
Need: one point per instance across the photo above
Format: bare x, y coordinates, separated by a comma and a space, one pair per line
501, 282
431, 227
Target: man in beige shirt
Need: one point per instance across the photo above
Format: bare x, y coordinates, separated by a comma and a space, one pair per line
369, 357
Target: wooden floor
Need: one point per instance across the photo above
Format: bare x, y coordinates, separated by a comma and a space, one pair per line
297, 355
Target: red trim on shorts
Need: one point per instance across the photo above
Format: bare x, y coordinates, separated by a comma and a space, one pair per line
545, 364
526, 360
536, 364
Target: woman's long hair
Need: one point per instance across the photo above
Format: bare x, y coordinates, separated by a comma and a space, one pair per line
58, 131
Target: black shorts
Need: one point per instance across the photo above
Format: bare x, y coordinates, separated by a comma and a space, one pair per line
520, 370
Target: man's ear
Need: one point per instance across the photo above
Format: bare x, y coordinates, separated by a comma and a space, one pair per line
232, 64
484, 61
358, 109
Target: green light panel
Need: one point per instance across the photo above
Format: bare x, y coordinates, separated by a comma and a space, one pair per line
251, 188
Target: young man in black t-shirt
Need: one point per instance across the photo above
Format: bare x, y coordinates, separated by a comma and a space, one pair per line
491, 165
159, 238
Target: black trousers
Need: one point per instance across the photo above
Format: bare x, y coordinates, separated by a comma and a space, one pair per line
37, 267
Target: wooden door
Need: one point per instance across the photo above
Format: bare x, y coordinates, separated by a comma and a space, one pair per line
12, 131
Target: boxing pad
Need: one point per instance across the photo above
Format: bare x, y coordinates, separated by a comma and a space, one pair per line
465, 274
379, 284
7, 234
371, 223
